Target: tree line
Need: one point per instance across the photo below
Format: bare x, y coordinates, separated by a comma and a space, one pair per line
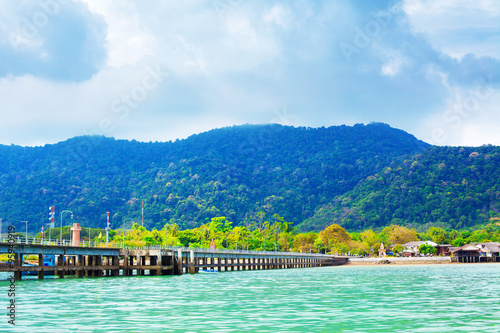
273, 233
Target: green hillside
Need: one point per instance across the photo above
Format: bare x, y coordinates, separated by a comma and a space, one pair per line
449, 187
234, 172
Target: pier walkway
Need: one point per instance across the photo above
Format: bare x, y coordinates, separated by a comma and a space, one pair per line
99, 260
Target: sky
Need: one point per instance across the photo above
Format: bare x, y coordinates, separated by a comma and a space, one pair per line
161, 70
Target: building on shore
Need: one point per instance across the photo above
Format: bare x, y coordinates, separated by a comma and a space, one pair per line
479, 252
411, 249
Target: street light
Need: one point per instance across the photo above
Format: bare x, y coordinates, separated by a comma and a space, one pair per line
26, 230
227, 239
64, 211
43, 226
123, 230
202, 231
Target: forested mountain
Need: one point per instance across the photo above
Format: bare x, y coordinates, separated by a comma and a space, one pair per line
234, 172
449, 187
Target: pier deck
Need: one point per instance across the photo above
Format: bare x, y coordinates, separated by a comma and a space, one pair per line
108, 261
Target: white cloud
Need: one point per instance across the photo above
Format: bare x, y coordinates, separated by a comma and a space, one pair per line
470, 117
255, 58
128, 40
280, 16
393, 65
458, 27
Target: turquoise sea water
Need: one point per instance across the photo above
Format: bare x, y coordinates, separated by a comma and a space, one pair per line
379, 298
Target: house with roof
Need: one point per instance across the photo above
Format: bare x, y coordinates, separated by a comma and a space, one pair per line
489, 252
480, 252
444, 249
412, 248
467, 253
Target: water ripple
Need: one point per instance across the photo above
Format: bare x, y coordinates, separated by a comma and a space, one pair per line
451, 298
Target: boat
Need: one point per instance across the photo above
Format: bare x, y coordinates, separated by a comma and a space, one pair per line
48, 260
208, 271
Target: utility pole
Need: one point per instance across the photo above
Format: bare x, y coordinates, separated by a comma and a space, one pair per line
142, 223
1, 229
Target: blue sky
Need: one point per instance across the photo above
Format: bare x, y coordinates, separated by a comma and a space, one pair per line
161, 70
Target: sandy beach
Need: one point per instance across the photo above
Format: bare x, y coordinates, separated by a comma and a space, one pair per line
399, 261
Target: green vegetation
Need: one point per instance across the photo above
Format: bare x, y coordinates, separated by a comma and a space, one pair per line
234, 172
276, 234
362, 178
448, 187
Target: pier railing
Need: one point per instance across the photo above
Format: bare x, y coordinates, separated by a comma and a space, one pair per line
95, 244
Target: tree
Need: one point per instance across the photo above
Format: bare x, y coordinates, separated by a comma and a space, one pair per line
397, 249
333, 236
479, 236
369, 237
304, 242
458, 242
402, 235
427, 249
357, 247
437, 235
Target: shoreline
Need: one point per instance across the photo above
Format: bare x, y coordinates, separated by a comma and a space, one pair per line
399, 261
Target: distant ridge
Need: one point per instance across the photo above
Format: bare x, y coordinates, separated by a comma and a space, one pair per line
234, 172
449, 187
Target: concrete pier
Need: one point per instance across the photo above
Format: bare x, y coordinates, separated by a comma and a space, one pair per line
98, 262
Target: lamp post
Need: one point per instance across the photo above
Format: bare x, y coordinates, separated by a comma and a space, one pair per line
107, 228
165, 240
123, 230
202, 231
60, 234
26, 236
43, 226
227, 239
